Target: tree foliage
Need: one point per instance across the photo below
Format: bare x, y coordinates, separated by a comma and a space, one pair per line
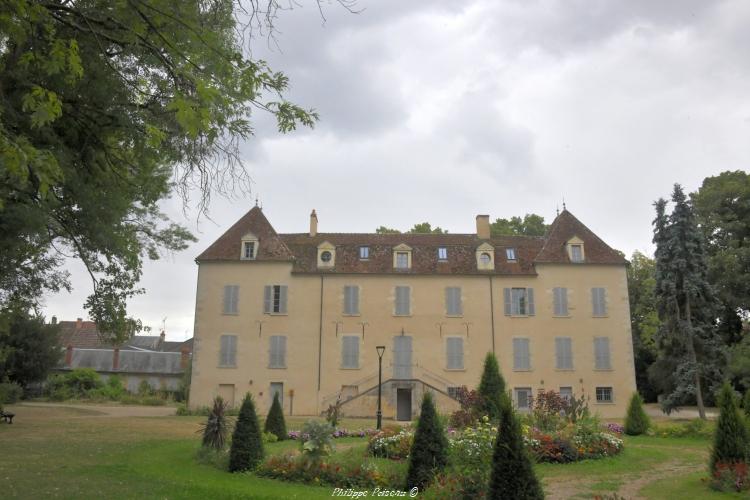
636, 420
644, 320
386, 230
512, 470
731, 437
275, 423
690, 354
246, 451
429, 451
491, 388
426, 228
106, 107
29, 348
529, 225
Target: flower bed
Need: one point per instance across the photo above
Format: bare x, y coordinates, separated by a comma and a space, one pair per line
337, 433
347, 475
391, 442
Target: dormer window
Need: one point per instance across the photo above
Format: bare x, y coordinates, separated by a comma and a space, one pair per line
402, 257
326, 255
575, 250
249, 247
364, 253
510, 254
485, 257
402, 260
442, 253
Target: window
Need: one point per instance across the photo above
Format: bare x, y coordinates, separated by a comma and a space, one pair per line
351, 300
454, 391
248, 250
576, 253
604, 395
442, 253
326, 256
510, 253
521, 354
350, 351
274, 300
564, 353
364, 253
453, 301
560, 301
454, 347
485, 254
231, 296
599, 301
228, 351
485, 258
601, 353
523, 398
566, 393
402, 260
519, 301
403, 301
277, 353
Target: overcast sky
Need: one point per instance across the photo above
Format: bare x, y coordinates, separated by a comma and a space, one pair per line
438, 111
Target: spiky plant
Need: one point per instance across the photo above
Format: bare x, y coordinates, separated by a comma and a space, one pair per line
216, 428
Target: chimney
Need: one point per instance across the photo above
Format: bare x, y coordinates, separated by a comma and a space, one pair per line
79, 323
69, 355
184, 358
313, 223
116, 358
162, 337
483, 227
54, 320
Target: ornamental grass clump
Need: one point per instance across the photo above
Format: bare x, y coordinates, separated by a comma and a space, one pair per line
247, 441
429, 452
636, 420
491, 388
275, 423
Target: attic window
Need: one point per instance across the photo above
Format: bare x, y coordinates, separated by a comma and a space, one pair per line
249, 247
576, 253
510, 253
402, 260
442, 253
485, 258
326, 256
364, 253
402, 257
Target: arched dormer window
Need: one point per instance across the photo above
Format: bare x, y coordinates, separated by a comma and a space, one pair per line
485, 257
402, 256
249, 247
326, 255
576, 253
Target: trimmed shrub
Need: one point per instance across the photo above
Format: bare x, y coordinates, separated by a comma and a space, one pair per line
731, 436
429, 452
491, 388
512, 472
247, 442
636, 420
216, 428
275, 423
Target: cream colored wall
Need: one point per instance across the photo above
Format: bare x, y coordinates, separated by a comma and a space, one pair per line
301, 326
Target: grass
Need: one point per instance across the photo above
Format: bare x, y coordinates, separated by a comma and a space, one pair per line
62, 452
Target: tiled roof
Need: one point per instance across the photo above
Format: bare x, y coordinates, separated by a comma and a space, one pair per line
85, 335
301, 249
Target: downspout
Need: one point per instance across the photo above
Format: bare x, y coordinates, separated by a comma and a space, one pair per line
320, 334
492, 313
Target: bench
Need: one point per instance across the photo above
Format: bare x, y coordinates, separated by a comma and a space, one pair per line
8, 417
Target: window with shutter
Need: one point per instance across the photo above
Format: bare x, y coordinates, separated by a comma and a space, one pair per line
454, 353
506, 301
231, 298
601, 353
521, 354
523, 398
564, 353
275, 299
351, 300
453, 301
277, 355
566, 393
522, 301
403, 299
599, 301
560, 301
350, 351
228, 351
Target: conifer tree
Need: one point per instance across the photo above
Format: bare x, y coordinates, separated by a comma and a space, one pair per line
731, 435
247, 443
690, 352
636, 420
746, 405
491, 388
512, 470
429, 451
275, 423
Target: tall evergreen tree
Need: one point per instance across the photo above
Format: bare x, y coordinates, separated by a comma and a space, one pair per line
491, 388
275, 423
690, 352
247, 444
512, 471
429, 451
731, 436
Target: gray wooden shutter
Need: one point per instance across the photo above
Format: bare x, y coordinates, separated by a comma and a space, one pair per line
506, 300
223, 351
402, 300
268, 299
595, 301
601, 353
556, 302
453, 301
564, 353
563, 301
455, 353
530, 310
351, 300
232, 350
282, 299
227, 299
603, 301
234, 298
521, 354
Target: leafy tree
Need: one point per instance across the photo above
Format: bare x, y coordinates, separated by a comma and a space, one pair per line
636, 420
689, 349
722, 209
491, 388
512, 471
275, 423
529, 225
30, 346
429, 451
426, 228
216, 428
739, 363
746, 404
246, 451
644, 320
387, 230
731, 437
106, 107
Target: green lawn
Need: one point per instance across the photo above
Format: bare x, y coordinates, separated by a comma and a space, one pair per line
71, 453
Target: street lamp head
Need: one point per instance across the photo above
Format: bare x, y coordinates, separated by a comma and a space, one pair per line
381, 350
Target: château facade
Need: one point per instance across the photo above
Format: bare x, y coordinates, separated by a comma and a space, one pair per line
301, 315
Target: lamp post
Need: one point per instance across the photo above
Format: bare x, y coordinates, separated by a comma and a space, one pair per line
381, 351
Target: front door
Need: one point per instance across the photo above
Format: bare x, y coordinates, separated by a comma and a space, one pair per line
402, 357
403, 404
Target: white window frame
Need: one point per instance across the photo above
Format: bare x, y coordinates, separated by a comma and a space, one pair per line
277, 303
364, 252
569, 391
516, 395
442, 253
609, 388
510, 254
402, 260
577, 258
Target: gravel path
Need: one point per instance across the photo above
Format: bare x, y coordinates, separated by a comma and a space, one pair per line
96, 410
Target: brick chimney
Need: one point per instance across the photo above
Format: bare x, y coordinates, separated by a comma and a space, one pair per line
116, 358
79, 323
483, 227
184, 358
69, 355
313, 223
